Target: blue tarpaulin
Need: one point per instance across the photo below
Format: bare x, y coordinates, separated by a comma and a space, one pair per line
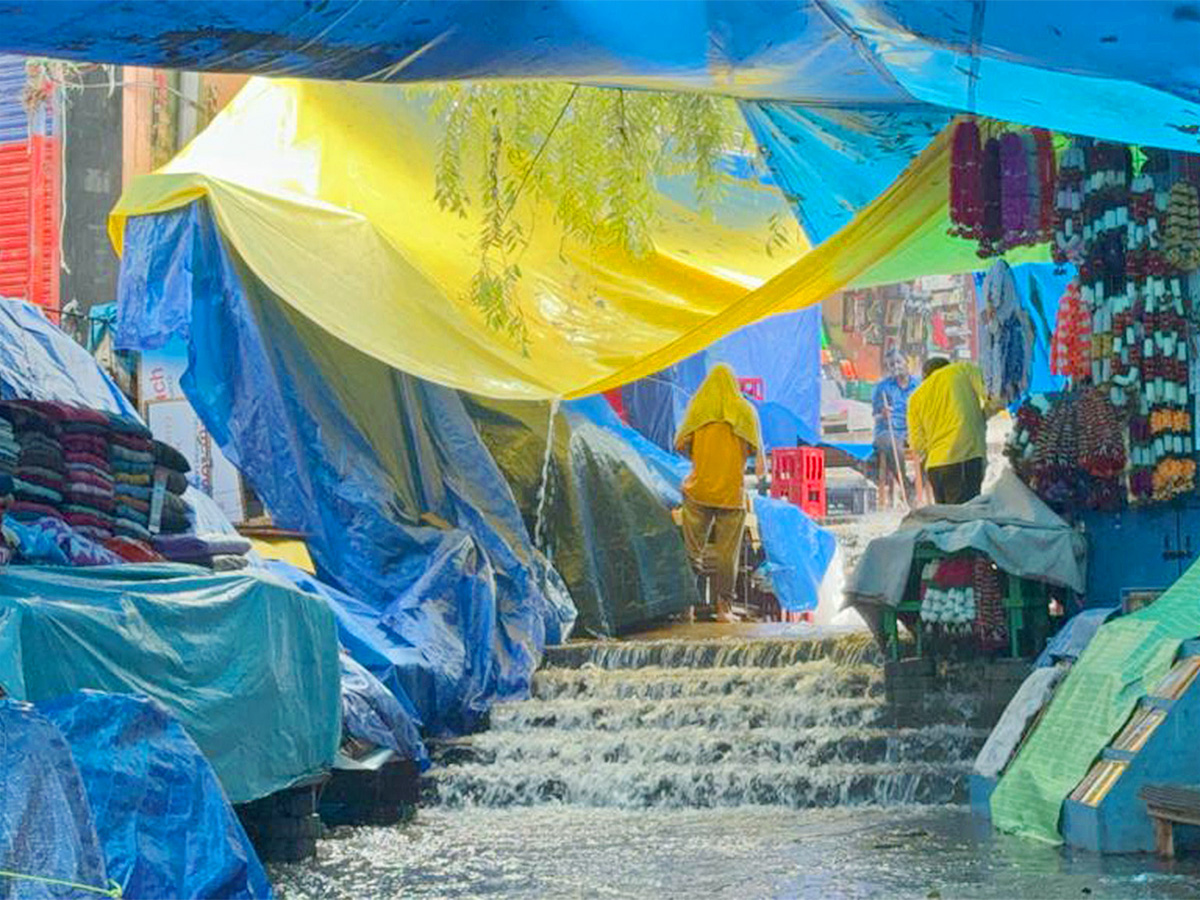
831, 162
798, 552
247, 664
399, 500
165, 825
372, 653
370, 712
46, 829
1040, 286
40, 362
1124, 68
785, 352
852, 87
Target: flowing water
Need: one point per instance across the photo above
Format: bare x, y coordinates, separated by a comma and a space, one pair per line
709, 769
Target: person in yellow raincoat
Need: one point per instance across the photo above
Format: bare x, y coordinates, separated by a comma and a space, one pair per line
719, 433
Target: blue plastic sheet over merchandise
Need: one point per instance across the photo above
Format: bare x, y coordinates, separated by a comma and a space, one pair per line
40, 362
374, 661
46, 829
266, 655
798, 552
165, 825
384, 474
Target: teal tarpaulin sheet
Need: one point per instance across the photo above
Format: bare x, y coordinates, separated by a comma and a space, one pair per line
248, 665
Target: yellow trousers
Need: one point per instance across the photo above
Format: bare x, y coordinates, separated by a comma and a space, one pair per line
725, 526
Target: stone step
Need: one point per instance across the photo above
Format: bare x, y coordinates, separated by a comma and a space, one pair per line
700, 747
715, 714
689, 786
716, 653
821, 678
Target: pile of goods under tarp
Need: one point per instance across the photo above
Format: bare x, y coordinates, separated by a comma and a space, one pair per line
95, 488
1129, 220
961, 598
1070, 449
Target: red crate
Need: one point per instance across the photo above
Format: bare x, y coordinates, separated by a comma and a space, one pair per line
752, 387
798, 476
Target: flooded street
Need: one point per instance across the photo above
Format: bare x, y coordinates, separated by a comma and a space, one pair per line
732, 768
748, 852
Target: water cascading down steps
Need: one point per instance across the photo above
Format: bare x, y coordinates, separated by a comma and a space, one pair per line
708, 724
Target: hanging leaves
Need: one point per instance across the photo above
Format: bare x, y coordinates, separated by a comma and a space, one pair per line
594, 154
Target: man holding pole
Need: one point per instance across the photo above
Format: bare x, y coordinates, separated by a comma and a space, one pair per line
890, 406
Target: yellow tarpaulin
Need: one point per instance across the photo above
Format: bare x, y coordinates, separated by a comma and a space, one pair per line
326, 190
289, 550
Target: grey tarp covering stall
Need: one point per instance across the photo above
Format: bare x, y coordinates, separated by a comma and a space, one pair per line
601, 522
1019, 532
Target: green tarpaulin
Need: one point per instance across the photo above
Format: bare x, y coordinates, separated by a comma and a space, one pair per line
1123, 662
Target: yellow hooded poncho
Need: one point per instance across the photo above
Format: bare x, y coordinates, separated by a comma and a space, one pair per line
719, 399
718, 455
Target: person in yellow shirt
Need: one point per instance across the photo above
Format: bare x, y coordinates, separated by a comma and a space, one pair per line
947, 428
719, 433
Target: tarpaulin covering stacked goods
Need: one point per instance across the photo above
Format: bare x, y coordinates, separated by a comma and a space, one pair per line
399, 500
247, 665
595, 506
46, 829
40, 362
1123, 662
164, 823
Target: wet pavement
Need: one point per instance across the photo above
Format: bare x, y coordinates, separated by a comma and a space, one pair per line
750, 852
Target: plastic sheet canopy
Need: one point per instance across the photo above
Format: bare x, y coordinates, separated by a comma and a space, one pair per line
347, 231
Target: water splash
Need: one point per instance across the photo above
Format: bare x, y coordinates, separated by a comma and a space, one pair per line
543, 485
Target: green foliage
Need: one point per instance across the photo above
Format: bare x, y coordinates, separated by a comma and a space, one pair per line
593, 153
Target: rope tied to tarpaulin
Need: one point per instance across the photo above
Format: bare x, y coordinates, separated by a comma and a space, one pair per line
112, 890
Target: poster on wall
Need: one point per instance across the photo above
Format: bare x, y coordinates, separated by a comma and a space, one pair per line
173, 421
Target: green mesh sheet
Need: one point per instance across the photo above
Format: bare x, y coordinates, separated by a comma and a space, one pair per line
1124, 661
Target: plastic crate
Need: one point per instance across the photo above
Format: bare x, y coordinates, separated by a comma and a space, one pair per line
798, 476
752, 388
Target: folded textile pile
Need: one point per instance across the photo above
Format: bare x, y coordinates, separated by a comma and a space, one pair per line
131, 451
222, 552
89, 499
10, 450
40, 475
171, 468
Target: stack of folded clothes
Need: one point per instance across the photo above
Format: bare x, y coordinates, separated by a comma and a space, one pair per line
90, 495
10, 450
131, 452
40, 475
172, 469
222, 552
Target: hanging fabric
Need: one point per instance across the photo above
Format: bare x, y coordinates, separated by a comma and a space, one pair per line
1007, 336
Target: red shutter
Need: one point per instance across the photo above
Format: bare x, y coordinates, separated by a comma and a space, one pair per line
30, 178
